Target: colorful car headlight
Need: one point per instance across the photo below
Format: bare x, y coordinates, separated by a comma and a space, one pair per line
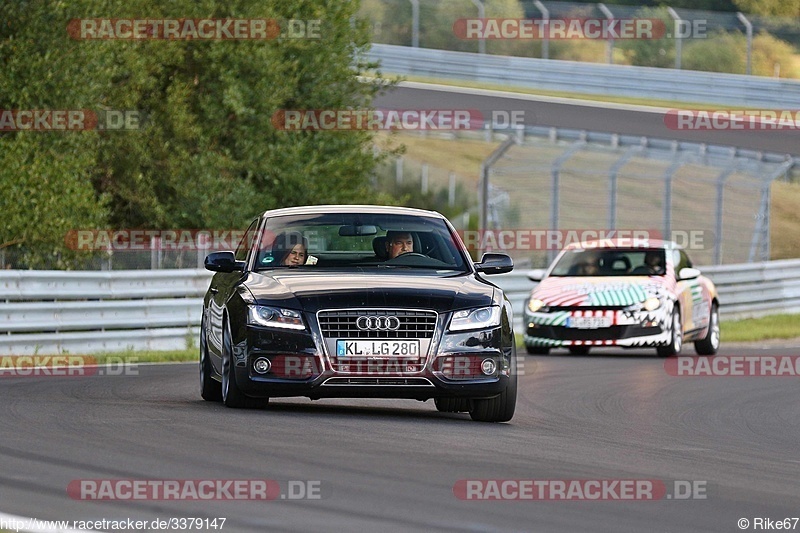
651, 304
535, 305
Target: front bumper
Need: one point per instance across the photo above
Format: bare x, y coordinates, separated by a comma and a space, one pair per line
301, 366
627, 329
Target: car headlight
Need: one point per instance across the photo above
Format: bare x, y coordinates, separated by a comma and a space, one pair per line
274, 317
484, 317
535, 304
651, 304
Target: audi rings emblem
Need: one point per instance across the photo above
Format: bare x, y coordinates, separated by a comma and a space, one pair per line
378, 323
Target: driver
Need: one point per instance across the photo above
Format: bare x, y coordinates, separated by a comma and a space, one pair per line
652, 261
398, 243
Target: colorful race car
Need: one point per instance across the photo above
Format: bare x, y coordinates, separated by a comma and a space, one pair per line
609, 294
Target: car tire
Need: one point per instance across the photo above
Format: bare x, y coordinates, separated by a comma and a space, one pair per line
452, 405
676, 336
500, 408
210, 388
232, 396
537, 350
709, 344
579, 350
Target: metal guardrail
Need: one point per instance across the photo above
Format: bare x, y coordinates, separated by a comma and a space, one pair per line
49, 312
591, 78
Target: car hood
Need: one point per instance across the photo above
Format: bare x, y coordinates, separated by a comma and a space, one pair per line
336, 290
599, 291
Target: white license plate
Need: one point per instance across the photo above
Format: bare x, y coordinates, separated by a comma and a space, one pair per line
589, 322
376, 348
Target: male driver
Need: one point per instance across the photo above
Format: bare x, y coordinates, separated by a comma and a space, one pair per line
589, 264
398, 243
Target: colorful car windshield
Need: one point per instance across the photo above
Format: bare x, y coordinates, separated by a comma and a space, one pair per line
611, 262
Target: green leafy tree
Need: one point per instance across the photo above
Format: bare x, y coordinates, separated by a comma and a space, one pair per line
651, 52
206, 153
781, 8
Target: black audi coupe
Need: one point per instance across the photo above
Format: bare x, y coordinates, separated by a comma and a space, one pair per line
352, 301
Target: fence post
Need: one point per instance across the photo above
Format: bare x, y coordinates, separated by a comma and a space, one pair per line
612, 176
721, 179
668, 175
678, 34
546, 37
610, 42
749, 29
486, 168
481, 15
555, 174
414, 23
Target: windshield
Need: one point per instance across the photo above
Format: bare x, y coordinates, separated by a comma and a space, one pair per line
350, 240
611, 262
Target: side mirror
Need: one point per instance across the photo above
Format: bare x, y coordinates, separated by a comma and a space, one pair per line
223, 262
688, 273
492, 263
536, 274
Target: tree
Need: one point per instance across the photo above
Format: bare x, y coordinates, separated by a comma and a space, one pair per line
206, 153
780, 8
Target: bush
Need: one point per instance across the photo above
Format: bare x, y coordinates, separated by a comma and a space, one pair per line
769, 51
721, 52
652, 52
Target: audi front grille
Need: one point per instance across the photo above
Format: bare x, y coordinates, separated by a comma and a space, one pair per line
377, 324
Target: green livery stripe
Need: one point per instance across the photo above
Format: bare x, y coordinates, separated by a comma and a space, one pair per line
628, 296
550, 319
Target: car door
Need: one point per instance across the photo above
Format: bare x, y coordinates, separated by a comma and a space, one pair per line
222, 286
693, 296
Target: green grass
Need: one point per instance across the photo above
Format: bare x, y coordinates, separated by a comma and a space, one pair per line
758, 329
144, 356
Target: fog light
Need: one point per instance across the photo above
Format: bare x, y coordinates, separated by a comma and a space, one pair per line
488, 367
262, 365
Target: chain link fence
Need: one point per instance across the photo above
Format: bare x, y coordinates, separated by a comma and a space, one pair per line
713, 201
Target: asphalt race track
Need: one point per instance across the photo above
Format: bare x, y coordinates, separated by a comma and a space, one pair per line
582, 115
391, 465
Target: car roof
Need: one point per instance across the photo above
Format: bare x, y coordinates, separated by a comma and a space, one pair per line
610, 244
354, 208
